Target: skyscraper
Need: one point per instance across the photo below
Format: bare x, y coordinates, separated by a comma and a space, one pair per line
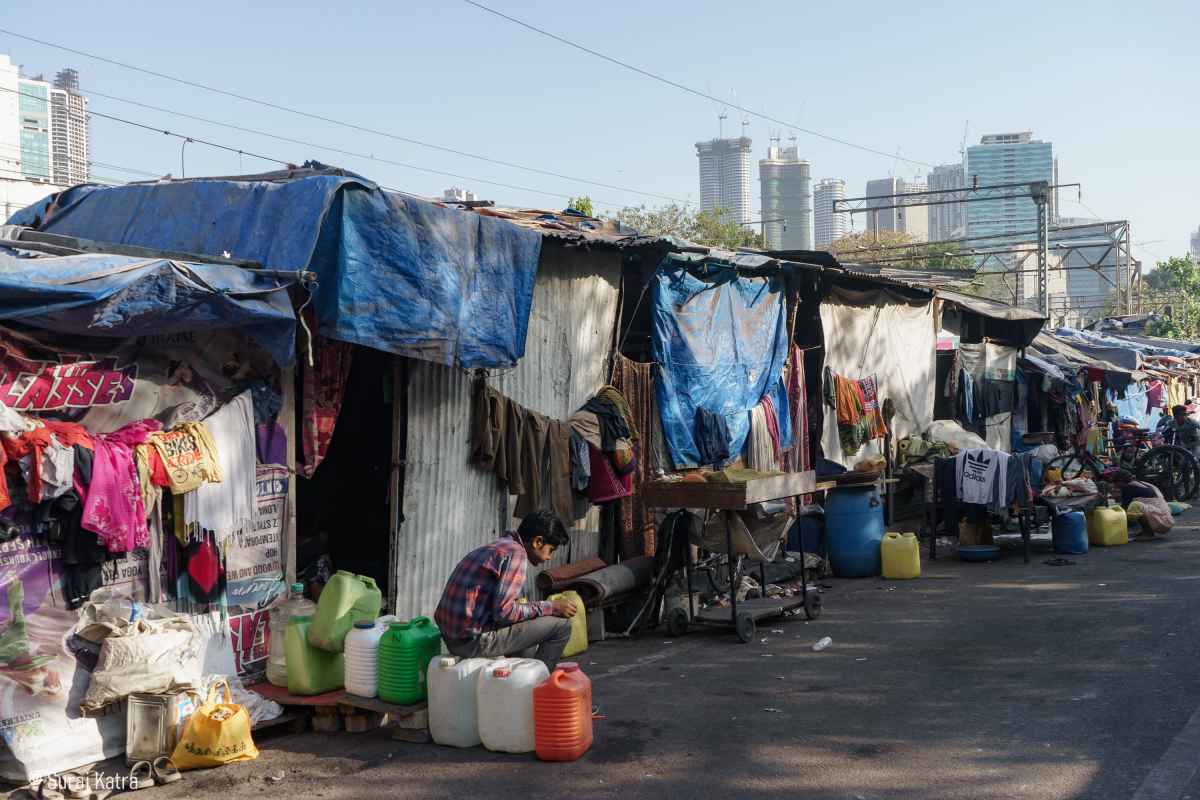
1003, 158
883, 219
912, 220
786, 199
34, 107
10, 129
68, 130
1195, 249
725, 177
828, 227
947, 221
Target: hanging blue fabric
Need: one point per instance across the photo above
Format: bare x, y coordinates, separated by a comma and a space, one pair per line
720, 341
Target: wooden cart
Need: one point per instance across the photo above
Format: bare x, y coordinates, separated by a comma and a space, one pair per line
726, 498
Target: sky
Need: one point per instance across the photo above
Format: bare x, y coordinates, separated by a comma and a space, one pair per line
1113, 87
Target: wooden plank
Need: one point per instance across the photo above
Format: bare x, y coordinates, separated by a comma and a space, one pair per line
787, 485
728, 496
285, 698
393, 710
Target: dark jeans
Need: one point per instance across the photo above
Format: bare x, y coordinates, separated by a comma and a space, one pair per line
543, 638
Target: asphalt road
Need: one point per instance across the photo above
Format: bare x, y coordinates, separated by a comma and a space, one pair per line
1001, 680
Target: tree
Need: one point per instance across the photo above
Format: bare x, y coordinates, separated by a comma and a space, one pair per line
1180, 278
703, 227
869, 247
583, 205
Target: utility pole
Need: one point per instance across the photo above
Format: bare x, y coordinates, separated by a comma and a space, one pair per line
1040, 191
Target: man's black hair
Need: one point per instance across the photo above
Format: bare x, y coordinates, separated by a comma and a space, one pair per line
1178, 409
545, 524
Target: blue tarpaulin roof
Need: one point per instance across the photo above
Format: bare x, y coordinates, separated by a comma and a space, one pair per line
395, 273
123, 296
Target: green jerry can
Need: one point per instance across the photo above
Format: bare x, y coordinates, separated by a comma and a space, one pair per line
404, 655
309, 670
346, 599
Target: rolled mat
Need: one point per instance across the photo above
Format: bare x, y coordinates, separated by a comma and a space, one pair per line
552, 580
596, 587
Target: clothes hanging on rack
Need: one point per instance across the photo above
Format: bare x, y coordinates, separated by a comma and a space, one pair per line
798, 456
228, 507
634, 381
189, 455
760, 453
113, 507
712, 438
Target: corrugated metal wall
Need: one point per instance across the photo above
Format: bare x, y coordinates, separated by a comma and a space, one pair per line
451, 507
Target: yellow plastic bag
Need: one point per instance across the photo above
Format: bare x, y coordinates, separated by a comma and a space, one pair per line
217, 733
579, 640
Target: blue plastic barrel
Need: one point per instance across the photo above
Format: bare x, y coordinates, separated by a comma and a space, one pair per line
854, 530
1068, 532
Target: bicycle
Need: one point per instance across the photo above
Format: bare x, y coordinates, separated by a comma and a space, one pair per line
1172, 469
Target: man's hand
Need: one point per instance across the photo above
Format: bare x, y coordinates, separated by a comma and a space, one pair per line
563, 608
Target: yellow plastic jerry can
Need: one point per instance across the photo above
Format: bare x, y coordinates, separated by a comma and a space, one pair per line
1107, 526
579, 640
901, 556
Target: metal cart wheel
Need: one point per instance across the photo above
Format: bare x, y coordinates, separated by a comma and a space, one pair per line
677, 622
744, 626
812, 605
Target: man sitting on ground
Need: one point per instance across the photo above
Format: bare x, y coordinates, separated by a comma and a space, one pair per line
479, 614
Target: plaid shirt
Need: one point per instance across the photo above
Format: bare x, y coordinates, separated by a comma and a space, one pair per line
483, 590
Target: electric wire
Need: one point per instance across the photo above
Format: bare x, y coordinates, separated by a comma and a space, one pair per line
338, 122
683, 87
337, 150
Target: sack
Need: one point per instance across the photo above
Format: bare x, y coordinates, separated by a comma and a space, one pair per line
153, 655
218, 733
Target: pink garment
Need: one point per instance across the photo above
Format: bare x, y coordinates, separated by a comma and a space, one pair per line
112, 507
799, 454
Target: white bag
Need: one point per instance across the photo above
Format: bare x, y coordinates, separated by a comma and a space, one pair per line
153, 654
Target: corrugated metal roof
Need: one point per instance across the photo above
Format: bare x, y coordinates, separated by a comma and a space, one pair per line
451, 506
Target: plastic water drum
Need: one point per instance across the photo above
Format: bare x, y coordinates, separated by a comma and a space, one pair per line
1107, 527
579, 637
854, 531
504, 699
562, 714
309, 669
453, 710
1068, 532
901, 556
346, 599
405, 651
362, 656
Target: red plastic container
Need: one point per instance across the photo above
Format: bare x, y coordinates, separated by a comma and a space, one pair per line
562, 714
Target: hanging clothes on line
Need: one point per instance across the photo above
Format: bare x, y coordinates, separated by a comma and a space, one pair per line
113, 507
635, 383
324, 387
798, 456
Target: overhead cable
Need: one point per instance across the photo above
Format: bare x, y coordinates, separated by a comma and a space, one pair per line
339, 122
682, 87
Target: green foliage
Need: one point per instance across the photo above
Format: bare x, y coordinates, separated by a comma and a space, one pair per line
703, 227
583, 205
1180, 277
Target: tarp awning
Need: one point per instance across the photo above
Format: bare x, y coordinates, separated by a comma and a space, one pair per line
122, 296
395, 273
1018, 325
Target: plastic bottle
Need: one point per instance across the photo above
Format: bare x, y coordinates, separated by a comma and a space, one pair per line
294, 604
345, 599
404, 653
453, 713
505, 703
562, 714
362, 656
822, 644
311, 670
